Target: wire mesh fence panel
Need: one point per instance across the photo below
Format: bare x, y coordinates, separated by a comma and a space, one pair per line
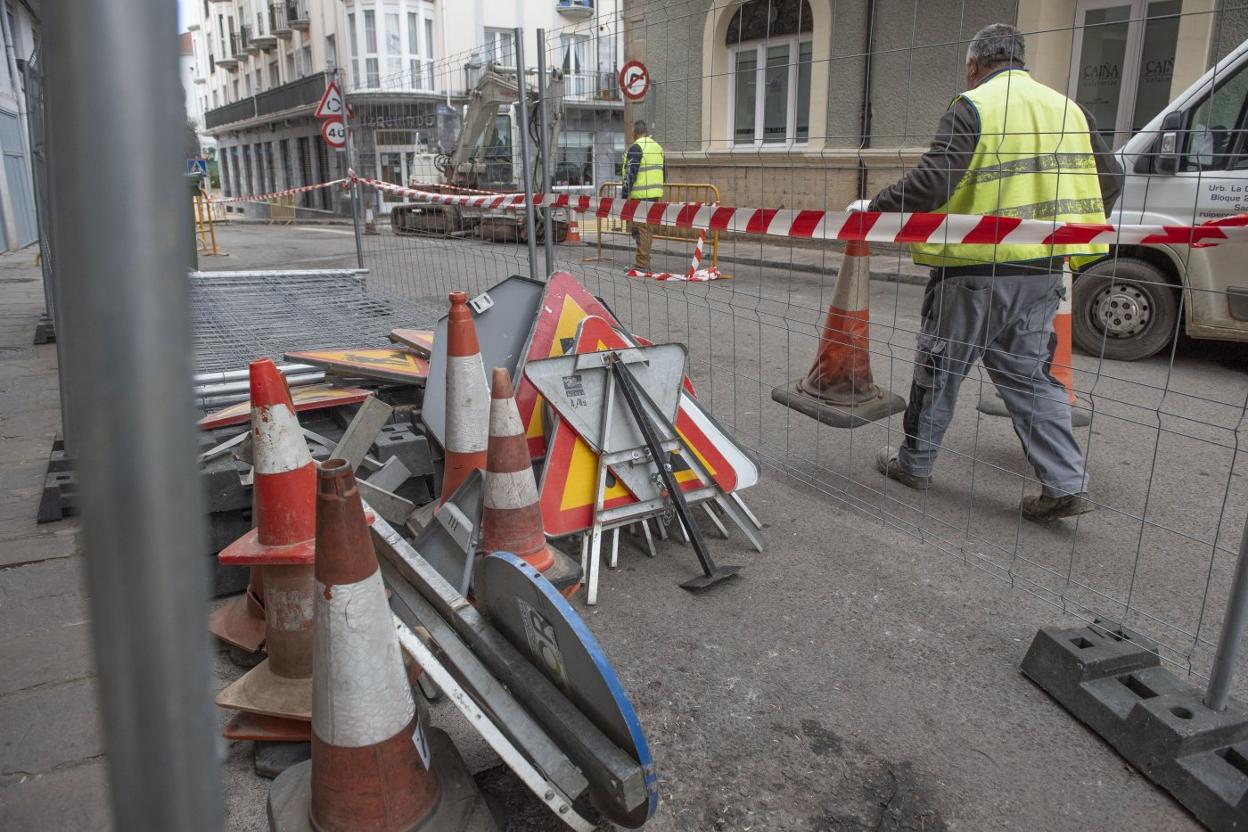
809, 105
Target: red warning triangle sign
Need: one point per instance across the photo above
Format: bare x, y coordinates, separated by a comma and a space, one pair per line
565, 304
570, 474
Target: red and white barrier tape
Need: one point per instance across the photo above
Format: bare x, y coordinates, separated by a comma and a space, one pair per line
460, 188
692, 276
872, 226
271, 196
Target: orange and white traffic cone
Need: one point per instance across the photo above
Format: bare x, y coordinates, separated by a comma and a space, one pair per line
1061, 368
240, 622
467, 399
283, 545
839, 389
574, 233
511, 511
375, 764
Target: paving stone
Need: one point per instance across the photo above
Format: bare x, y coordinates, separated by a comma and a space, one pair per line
48, 728
61, 543
46, 657
41, 595
73, 798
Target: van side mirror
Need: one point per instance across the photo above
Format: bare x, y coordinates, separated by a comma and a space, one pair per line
1168, 149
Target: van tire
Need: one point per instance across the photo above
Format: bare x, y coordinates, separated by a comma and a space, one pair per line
1138, 289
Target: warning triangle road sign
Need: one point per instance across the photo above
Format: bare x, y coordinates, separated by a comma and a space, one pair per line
565, 304
330, 105
385, 363
568, 478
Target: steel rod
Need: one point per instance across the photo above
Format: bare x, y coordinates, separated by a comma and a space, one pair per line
526, 160
245, 375
1232, 635
548, 152
125, 306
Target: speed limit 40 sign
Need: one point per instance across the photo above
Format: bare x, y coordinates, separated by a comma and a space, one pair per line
334, 132
634, 80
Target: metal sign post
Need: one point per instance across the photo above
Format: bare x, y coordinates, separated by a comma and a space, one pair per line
355, 185
548, 153
526, 162
1232, 631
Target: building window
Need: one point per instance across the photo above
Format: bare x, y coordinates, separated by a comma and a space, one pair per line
394, 49
500, 47
274, 80
770, 45
354, 35
575, 62
331, 52
372, 67
574, 165
413, 50
259, 80
428, 53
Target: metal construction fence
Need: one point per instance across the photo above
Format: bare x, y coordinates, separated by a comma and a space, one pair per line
804, 104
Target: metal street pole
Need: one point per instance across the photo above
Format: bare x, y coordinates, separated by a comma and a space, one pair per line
522, 89
350, 160
127, 347
548, 152
1232, 635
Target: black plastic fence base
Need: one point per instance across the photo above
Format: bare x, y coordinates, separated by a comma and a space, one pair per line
1111, 679
60, 486
45, 331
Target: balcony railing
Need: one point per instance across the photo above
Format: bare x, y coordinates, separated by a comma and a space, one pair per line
305, 92
591, 86
246, 40
231, 53
575, 8
264, 37
279, 24
297, 14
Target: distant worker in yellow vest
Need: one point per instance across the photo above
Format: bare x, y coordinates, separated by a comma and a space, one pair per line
1008, 146
644, 173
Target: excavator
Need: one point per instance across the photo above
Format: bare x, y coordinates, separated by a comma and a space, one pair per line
487, 157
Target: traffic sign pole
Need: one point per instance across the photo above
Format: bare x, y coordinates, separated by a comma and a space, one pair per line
355, 185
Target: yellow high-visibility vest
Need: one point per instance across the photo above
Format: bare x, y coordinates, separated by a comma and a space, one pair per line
649, 181
1033, 161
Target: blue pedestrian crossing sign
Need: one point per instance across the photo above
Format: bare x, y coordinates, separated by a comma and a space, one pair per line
196, 166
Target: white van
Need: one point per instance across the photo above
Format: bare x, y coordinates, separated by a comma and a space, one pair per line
1189, 164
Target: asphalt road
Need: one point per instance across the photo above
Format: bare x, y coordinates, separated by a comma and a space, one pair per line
863, 673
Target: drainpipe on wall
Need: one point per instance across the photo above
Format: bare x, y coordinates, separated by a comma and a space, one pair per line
6, 198
864, 122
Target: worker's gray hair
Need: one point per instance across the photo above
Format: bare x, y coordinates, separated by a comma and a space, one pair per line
996, 43
640, 126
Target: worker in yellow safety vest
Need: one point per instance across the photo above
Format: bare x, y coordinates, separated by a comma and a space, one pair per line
644, 172
1008, 146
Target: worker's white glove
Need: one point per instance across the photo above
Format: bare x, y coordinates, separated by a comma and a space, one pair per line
858, 205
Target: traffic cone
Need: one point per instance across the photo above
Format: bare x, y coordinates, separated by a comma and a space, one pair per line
282, 545
574, 233
511, 511
370, 222
1061, 368
240, 622
839, 390
467, 399
375, 765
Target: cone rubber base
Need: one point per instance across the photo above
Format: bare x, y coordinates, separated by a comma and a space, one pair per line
835, 415
565, 573
460, 808
262, 728
991, 403
270, 759
260, 691
702, 583
237, 624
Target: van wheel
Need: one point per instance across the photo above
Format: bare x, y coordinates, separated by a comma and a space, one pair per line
1125, 309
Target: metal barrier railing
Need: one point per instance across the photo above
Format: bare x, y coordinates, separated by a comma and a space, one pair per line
703, 192
282, 210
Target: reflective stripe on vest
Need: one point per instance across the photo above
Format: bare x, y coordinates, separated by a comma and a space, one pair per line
649, 181
1033, 160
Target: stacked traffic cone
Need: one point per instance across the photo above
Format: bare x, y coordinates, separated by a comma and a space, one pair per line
511, 512
375, 764
240, 622
1061, 368
282, 546
839, 389
467, 399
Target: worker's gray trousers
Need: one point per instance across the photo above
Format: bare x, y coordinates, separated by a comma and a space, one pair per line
1007, 322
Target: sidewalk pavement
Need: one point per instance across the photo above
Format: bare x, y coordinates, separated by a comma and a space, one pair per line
52, 771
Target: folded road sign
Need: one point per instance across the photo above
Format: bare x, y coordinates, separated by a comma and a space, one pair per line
312, 397
385, 363
419, 341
